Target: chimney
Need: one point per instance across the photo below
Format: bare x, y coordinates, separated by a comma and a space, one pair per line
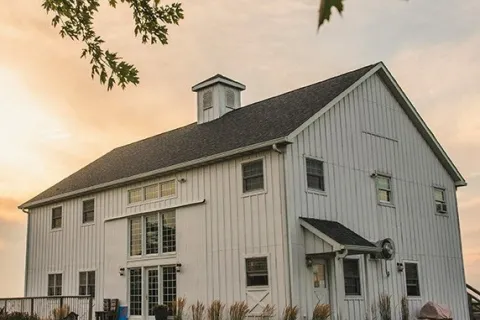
216, 96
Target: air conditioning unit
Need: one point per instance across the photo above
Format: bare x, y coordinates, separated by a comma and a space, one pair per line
387, 252
442, 207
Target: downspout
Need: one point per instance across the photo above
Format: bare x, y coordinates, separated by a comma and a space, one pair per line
27, 250
287, 225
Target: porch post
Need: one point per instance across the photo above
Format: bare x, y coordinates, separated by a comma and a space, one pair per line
339, 287
367, 288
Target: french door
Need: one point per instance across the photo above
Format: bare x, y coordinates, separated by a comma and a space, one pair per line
152, 291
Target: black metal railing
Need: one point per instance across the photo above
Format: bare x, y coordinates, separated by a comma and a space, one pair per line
473, 302
56, 307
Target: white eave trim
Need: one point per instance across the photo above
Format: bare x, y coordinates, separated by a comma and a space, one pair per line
143, 176
336, 246
218, 79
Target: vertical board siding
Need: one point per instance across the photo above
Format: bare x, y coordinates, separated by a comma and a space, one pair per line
214, 237
368, 131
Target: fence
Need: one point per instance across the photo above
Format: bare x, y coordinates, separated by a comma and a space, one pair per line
43, 307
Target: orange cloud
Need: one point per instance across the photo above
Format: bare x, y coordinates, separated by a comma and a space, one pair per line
9, 211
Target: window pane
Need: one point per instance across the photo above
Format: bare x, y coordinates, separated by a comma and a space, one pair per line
58, 279
57, 217
136, 292
257, 271
384, 195
439, 195
91, 278
51, 280
351, 274
151, 229
168, 232
152, 192
83, 278
167, 188
314, 167
253, 169
383, 182
169, 286
412, 280
152, 290
88, 210
135, 195
136, 236
319, 276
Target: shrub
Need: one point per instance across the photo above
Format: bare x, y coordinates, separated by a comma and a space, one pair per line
385, 307
404, 309
198, 311
178, 307
321, 312
290, 313
238, 311
60, 312
17, 316
267, 312
215, 310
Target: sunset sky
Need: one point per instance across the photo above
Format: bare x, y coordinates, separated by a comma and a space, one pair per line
54, 119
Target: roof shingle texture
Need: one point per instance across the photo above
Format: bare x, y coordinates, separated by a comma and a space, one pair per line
338, 232
259, 122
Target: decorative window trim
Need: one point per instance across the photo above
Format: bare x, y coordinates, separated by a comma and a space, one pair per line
256, 191
52, 227
360, 295
405, 262
257, 256
311, 189
92, 211
389, 191
443, 211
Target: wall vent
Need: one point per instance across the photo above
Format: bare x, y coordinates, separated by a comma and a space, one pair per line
207, 99
230, 98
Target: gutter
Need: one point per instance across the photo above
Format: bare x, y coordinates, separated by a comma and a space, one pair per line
142, 176
27, 251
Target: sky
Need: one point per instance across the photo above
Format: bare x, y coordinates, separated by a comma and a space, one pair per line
54, 119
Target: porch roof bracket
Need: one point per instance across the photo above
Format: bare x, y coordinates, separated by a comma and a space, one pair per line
336, 246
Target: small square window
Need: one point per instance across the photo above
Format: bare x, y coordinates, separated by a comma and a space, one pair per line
167, 188
253, 176
152, 192
257, 272
412, 280
135, 195
351, 273
315, 177
440, 202
384, 188
88, 211
57, 218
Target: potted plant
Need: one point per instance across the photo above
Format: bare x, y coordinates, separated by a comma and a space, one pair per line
160, 312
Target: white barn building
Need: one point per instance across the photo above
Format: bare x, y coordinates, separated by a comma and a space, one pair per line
332, 193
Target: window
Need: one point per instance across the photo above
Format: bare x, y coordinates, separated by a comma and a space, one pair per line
315, 178
319, 276
384, 188
88, 211
411, 278
147, 231
207, 100
252, 176
257, 272
167, 188
135, 290
152, 192
57, 218
87, 284
136, 237
135, 195
440, 203
55, 284
230, 98
169, 286
351, 274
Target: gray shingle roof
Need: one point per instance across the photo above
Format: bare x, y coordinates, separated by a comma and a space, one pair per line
338, 232
262, 121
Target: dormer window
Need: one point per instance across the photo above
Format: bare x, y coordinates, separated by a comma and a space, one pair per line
230, 98
207, 99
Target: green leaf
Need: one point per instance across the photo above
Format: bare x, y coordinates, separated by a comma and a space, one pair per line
325, 10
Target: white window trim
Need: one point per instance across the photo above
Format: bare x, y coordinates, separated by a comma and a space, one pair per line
55, 273
78, 284
258, 191
405, 279
159, 199
390, 203
361, 275
51, 219
269, 269
441, 214
160, 254
88, 223
311, 190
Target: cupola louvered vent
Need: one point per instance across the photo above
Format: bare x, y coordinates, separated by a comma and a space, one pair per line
230, 98
207, 99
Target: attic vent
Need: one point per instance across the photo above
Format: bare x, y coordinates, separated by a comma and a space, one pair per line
207, 99
230, 98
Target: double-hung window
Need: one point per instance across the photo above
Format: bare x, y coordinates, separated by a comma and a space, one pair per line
88, 211
57, 218
351, 273
252, 176
87, 283
315, 176
384, 188
412, 280
55, 284
152, 234
440, 202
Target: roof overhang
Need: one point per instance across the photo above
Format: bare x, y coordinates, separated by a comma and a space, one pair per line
152, 174
219, 79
